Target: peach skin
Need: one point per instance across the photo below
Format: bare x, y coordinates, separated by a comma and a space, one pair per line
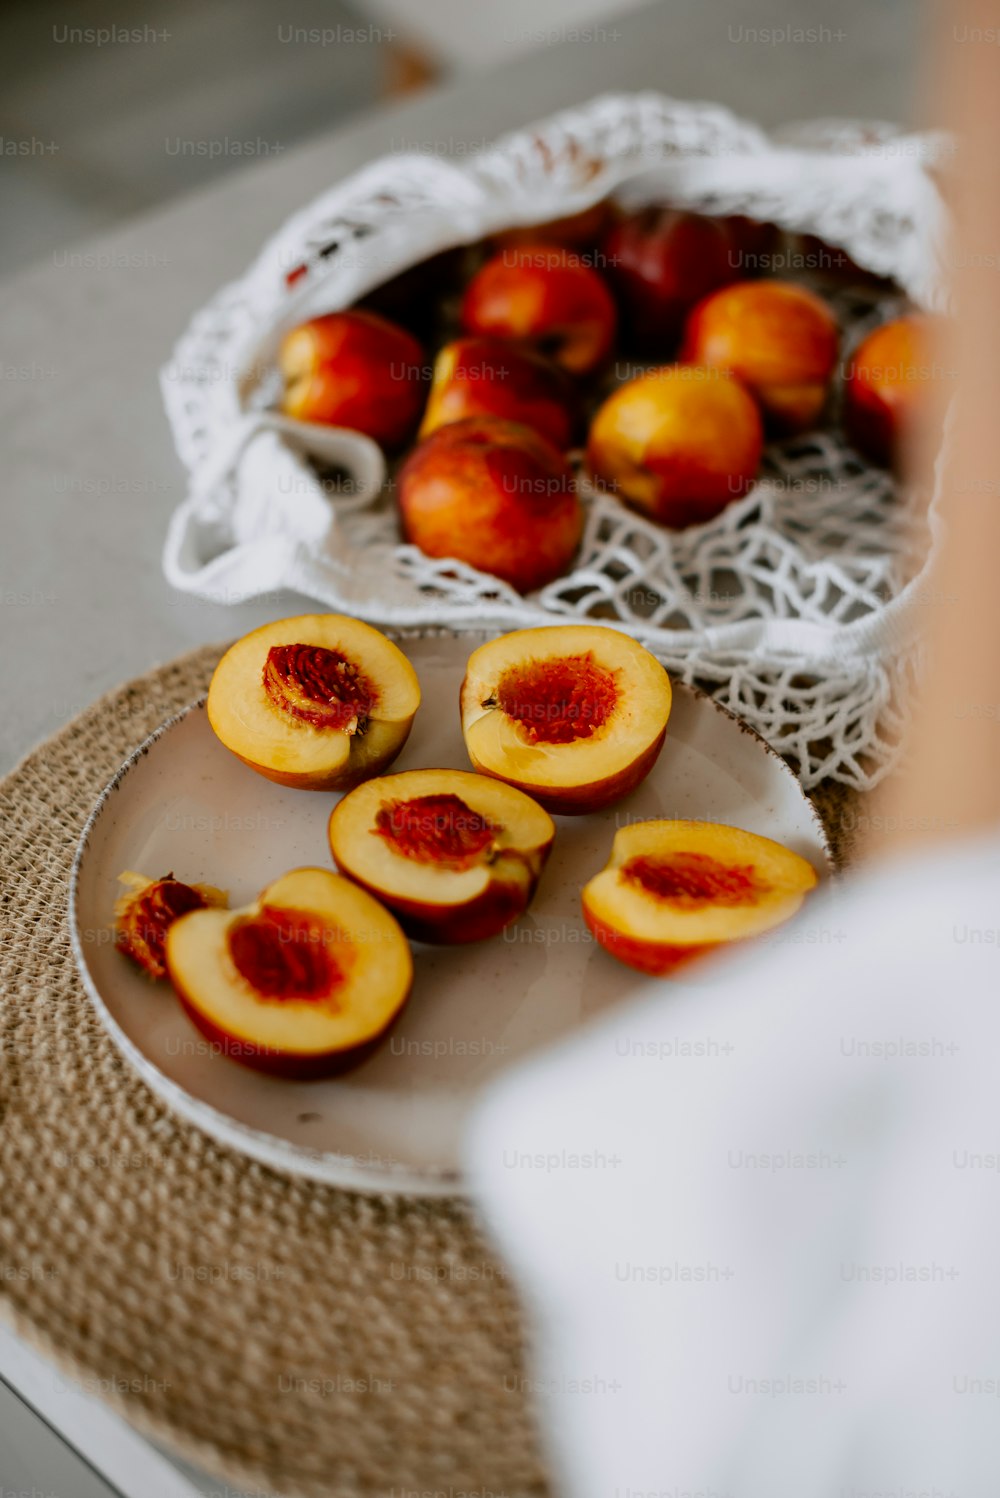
661, 262
493, 494
679, 443
487, 377
778, 338
355, 370
577, 231
887, 387
547, 297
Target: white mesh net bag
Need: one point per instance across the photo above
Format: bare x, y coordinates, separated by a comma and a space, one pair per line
798, 605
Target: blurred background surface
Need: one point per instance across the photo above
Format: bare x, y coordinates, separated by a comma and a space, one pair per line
110, 108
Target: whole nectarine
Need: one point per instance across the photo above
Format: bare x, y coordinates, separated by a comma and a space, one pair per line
679, 443
660, 262
777, 337
487, 377
356, 370
887, 383
548, 297
493, 494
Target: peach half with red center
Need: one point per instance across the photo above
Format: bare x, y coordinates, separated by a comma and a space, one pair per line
302, 983
319, 702
456, 857
547, 297
673, 891
486, 377
574, 715
778, 338
147, 908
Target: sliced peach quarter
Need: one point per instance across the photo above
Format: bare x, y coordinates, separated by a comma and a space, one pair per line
574, 715
320, 701
302, 983
673, 891
145, 910
455, 856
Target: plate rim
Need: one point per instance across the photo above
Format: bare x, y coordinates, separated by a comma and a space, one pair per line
327, 1166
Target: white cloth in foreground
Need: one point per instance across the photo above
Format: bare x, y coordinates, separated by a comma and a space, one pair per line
756, 1215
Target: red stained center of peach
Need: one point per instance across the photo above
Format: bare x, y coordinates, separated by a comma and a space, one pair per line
558, 701
287, 954
693, 879
150, 914
319, 686
440, 829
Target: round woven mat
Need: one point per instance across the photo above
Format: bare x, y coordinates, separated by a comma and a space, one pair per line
279, 1332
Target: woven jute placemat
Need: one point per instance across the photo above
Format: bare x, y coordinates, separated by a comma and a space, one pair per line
281, 1333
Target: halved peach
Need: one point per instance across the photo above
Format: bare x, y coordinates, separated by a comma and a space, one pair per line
146, 909
455, 856
572, 714
320, 701
673, 891
302, 983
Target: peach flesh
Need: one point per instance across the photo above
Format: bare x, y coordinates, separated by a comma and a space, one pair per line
143, 933
558, 701
285, 954
437, 829
690, 880
319, 686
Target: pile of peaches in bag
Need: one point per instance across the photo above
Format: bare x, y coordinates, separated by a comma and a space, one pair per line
651, 340
566, 719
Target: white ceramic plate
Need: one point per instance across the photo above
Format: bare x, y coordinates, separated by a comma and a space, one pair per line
183, 803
